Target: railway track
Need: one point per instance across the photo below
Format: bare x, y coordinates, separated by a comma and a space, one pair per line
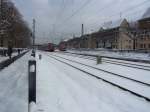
122, 87
116, 62
117, 58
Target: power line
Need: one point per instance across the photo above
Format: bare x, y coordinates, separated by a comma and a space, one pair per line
125, 11
105, 7
62, 8
77, 11
83, 6
131, 8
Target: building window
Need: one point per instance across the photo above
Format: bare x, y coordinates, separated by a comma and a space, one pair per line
129, 47
141, 45
144, 45
1, 43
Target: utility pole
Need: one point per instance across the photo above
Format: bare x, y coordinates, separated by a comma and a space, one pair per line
82, 30
82, 33
33, 44
120, 15
54, 34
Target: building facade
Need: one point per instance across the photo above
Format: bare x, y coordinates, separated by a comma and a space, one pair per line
118, 35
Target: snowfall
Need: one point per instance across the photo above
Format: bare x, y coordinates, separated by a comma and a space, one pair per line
61, 88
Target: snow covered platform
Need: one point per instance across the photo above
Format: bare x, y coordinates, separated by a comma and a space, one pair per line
3, 58
14, 86
6, 61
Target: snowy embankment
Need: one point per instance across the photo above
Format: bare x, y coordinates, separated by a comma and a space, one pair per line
142, 56
14, 86
63, 88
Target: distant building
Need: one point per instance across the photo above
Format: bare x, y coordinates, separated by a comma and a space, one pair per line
119, 34
142, 33
74, 43
144, 22
113, 36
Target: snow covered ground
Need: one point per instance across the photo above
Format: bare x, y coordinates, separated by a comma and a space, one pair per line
61, 88
14, 86
142, 56
3, 58
128, 84
134, 73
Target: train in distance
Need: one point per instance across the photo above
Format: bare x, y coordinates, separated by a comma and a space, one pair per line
50, 47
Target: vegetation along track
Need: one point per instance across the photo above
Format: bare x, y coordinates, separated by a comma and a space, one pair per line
105, 80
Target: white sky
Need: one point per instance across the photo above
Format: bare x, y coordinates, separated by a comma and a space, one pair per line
60, 19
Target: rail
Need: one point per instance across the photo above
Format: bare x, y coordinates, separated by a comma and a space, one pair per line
118, 58
105, 80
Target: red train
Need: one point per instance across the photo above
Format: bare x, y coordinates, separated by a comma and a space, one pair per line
47, 47
62, 46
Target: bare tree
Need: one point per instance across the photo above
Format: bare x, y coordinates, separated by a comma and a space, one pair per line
16, 29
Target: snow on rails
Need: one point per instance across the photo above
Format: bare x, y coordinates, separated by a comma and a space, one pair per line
136, 87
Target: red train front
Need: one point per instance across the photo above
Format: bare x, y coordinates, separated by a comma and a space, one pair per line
47, 47
62, 46
50, 47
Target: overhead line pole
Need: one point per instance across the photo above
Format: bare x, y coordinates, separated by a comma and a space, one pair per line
82, 30
33, 33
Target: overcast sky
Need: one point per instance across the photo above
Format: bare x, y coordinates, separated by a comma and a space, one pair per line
61, 19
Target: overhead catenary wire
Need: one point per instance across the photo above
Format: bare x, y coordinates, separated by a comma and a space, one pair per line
124, 11
77, 11
118, 13
74, 13
61, 11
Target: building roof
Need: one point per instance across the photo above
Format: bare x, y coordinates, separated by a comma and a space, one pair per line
146, 14
133, 25
112, 24
65, 40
